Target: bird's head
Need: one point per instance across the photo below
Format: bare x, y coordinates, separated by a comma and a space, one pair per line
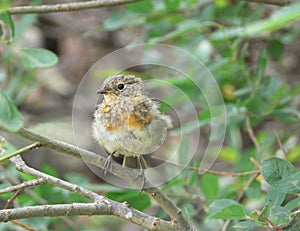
121, 86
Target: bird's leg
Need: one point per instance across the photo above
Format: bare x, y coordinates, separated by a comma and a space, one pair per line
140, 159
107, 163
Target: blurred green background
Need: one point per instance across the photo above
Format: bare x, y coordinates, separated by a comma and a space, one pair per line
252, 50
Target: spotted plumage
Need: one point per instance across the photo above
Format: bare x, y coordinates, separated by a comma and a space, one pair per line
128, 121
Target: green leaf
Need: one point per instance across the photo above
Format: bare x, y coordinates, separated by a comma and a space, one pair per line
277, 20
25, 176
22, 25
175, 183
245, 226
259, 107
181, 29
275, 197
293, 204
280, 215
37, 57
294, 153
187, 209
5, 5
254, 190
184, 146
262, 64
210, 186
83, 180
230, 155
10, 117
275, 49
142, 7
50, 170
291, 115
294, 225
122, 19
235, 138
6, 148
221, 3
281, 175
137, 200
193, 179
172, 4
226, 209
205, 115
5, 17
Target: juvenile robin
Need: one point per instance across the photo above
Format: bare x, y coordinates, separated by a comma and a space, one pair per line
128, 122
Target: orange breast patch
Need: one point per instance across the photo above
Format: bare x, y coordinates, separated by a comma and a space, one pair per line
137, 121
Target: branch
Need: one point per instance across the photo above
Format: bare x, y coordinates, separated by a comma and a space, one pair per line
101, 205
118, 209
22, 167
63, 7
273, 2
9, 201
23, 185
251, 134
77, 6
219, 173
22, 225
233, 174
128, 175
280, 144
20, 151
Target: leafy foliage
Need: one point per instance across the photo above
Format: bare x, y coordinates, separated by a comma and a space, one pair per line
243, 45
37, 58
281, 175
10, 117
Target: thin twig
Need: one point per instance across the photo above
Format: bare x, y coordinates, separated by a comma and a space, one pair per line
255, 162
246, 186
280, 144
63, 7
23, 185
232, 173
17, 193
21, 151
219, 173
293, 217
272, 2
251, 134
24, 226
77, 6
274, 226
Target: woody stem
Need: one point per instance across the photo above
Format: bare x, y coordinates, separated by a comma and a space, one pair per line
130, 176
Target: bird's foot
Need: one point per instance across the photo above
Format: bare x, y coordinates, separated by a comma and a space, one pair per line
143, 177
108, 164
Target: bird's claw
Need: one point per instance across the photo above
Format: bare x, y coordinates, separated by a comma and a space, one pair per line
142, 175
107, 164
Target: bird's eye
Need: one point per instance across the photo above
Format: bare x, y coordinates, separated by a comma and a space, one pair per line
121, 86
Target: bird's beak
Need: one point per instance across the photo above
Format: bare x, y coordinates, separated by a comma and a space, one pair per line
103, 90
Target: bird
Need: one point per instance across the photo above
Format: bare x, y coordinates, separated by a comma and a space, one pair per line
128, 122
